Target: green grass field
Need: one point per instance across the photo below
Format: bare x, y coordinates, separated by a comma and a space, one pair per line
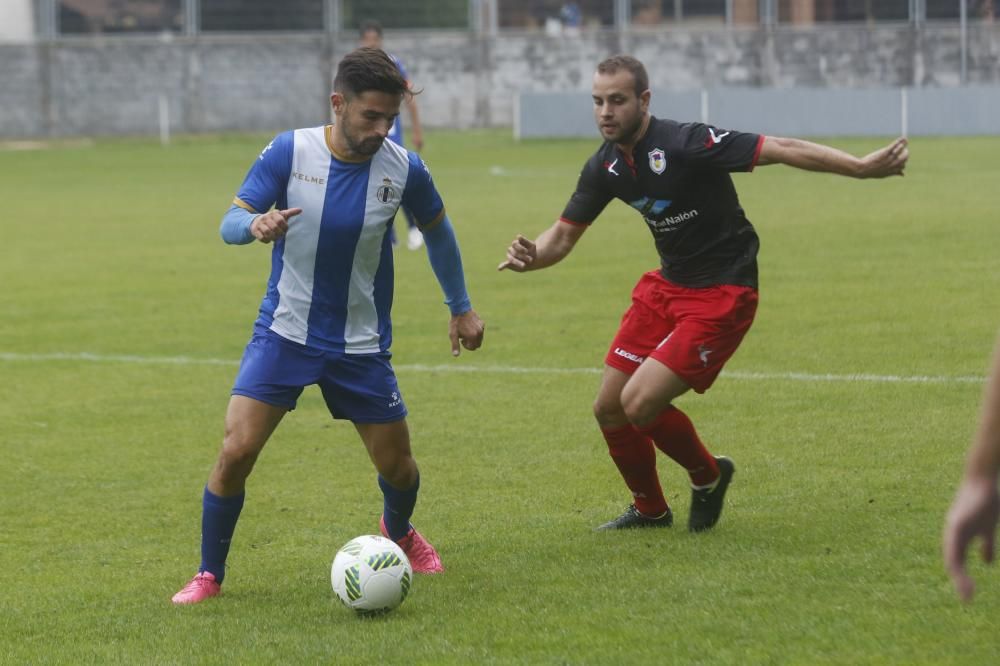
848, 410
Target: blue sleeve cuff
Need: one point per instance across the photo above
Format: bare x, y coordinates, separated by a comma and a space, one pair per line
235, 228
446, 261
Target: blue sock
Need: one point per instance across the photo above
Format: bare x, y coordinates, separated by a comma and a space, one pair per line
398, 507
218, 522
411, 222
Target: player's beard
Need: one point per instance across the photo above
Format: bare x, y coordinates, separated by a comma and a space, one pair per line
628, 133
366, 147
361, 146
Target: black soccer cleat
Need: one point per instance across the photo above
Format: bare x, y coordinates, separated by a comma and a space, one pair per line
706, 504
632, 519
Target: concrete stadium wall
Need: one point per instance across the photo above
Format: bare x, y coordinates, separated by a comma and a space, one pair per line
18, 22
95, 86
961, 110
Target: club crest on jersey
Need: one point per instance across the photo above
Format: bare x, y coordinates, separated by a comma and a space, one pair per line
386, 192
657, 161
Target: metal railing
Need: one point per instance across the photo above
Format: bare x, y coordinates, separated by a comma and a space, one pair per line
56, 18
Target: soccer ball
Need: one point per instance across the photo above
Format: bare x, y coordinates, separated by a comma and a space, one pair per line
371, 575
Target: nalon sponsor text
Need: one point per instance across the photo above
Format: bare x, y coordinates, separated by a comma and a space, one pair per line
671, 221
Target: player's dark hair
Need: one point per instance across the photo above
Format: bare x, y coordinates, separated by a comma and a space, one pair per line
370, 26
366, 69
631, 65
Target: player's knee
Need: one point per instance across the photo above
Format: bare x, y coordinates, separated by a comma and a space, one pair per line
400, 472
608, 412
239, 450
639, 410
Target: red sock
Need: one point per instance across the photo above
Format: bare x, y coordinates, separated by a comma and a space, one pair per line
674, 434
636, 460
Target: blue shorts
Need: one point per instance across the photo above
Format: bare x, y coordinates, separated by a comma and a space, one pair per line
359, 387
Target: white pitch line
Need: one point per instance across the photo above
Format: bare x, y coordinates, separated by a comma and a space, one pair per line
505, 369
875, 379
115, 358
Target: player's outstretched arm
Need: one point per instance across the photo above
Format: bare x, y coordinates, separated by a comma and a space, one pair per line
549, 248
976, 508
886, 161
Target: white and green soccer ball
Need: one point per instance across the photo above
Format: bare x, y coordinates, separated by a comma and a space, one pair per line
371, 574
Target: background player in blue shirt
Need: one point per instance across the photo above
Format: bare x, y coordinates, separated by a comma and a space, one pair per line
371, 36
689, 316
325, 316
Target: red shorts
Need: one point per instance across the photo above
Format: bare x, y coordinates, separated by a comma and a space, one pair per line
691, 331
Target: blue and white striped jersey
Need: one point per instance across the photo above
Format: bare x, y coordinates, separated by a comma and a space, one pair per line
331, 277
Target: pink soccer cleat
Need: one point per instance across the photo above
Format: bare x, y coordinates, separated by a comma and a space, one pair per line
200, 587
423, 558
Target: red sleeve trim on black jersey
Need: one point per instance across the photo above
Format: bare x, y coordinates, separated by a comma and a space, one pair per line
575, 224
756, 153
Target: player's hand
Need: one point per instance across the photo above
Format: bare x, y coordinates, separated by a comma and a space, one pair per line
974, 513
273, 224
418, 141
888, 161
466, 329
520, 255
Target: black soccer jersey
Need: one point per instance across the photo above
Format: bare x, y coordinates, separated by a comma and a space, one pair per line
678, 179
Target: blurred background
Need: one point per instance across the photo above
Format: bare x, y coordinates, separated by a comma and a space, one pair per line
99, 67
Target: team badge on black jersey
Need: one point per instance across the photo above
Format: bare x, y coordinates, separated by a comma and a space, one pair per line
385, 193
657, 161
